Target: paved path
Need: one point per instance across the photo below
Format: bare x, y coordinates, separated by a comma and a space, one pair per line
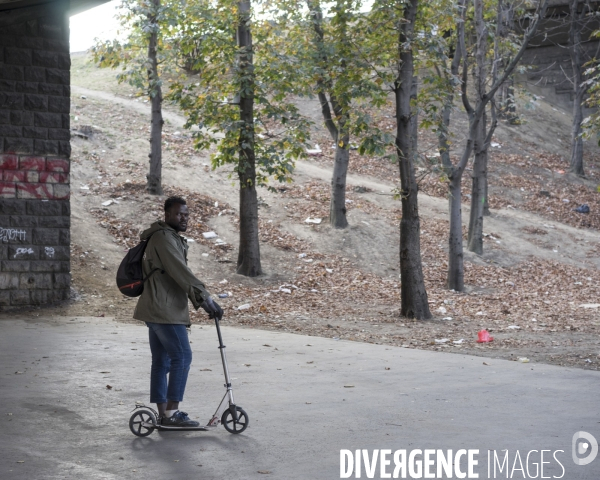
307, 398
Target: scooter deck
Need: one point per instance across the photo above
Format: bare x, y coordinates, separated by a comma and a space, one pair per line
200, 428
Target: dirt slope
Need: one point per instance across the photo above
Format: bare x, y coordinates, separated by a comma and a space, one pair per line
535, 274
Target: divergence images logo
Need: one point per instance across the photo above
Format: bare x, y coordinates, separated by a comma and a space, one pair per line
590, 447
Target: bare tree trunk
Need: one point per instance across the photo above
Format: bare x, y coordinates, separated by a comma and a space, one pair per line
577, 62
486, 200
414, 303
478, 192
455, 257
338, 131
455, 278
504, 25
576, 138
456, 275
509, 104
337, 205
478, 187
248, 263
154, 183
443, 142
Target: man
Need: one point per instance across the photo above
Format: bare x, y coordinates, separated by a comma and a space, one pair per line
163, 305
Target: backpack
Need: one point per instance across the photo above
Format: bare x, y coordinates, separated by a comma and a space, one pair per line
130, 276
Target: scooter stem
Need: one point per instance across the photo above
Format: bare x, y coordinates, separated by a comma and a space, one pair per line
224, 361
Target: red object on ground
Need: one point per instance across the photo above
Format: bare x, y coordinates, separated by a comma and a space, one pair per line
484, 337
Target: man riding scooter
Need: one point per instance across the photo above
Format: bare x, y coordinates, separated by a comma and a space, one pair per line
163, 305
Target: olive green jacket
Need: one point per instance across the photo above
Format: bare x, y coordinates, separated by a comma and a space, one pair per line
165, 296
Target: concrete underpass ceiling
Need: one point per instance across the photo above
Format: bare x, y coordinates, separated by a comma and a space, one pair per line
75, 6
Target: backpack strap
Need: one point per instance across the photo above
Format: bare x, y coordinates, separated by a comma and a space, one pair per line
150, 274
153, 270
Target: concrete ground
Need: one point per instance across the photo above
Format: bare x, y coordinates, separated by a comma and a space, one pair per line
307, 399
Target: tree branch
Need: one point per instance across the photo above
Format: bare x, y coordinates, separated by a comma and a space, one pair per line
541, 12
322, 87
463, 50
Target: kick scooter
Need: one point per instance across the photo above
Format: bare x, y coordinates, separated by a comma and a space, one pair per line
235, 420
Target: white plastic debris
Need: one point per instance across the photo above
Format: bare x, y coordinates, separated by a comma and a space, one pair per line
441, 310
205, 254
245, 306
513, 327
302, 255
458, 342
285, 290
216, 204
314, 151
523, 359
441, 340
84, 187
223, 281
329, 270
316, 221
447, 318
209, 235
495, 145
590, 305
107, 203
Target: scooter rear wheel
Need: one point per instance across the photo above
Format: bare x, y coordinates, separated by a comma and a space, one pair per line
138, 419
233, 426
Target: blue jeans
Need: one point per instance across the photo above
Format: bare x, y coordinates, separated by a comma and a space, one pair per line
171, 354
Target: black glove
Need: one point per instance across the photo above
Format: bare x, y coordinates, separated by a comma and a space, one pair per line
212, 308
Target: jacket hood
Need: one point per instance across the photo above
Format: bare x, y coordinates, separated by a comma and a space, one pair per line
155, 227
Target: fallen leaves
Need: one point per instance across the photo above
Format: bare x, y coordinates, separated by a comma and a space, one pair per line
335, 296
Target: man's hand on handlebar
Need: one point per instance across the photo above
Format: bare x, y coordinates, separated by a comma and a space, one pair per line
212, 308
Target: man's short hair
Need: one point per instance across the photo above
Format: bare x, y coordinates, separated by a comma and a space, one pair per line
169, 202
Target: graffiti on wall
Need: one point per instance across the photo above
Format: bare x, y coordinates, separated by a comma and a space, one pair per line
23, 251
12, 234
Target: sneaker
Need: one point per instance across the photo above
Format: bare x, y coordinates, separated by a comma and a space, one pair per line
179, 419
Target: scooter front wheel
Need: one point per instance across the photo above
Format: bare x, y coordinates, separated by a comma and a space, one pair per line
232, 425
139, 421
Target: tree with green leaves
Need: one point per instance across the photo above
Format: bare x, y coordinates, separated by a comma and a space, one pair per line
478, 136
323, 38
454, 57
488, 71
139, 57
240, 105
391, 30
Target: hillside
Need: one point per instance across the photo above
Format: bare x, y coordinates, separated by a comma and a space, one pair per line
535, 288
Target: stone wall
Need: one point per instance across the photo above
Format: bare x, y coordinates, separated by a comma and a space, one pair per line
34, 155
